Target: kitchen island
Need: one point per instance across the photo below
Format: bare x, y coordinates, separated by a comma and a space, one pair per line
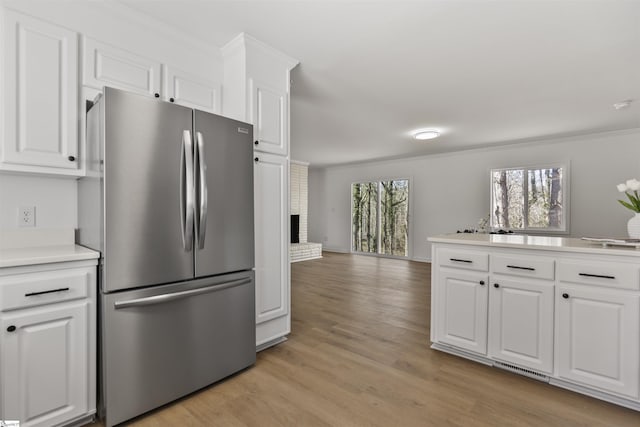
560, 310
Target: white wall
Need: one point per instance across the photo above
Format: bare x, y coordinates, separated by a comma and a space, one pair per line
450, 192
55, 199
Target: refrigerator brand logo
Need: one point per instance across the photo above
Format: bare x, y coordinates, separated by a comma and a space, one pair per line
243, 130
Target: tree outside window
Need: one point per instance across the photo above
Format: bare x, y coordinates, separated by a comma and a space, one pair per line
529, 199
379, 213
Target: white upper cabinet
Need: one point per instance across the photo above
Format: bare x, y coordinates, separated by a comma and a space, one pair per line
106, 65
40, 97
192, 91
257, 85
269, 109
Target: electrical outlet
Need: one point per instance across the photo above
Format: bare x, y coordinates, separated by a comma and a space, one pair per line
27, 216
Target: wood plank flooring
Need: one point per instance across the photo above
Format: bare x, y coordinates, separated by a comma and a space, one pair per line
359, 355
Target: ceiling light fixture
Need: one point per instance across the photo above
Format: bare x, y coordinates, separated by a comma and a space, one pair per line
426, 134
622, 104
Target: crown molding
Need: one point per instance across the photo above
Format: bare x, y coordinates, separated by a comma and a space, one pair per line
243, 40
167, 28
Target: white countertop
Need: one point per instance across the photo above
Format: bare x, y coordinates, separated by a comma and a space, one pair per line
32, 246
566, 244
45, 254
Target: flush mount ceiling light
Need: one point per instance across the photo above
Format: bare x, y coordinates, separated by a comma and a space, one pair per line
622, 104
426, 134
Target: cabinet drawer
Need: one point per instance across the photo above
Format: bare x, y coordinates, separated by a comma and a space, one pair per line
528, 266
610, 274
29, 290
470, 260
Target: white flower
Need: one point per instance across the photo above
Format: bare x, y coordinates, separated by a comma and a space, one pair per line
622, 188
633, 184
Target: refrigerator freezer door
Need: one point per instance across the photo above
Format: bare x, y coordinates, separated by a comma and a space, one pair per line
164, 342
146, 181
224, 199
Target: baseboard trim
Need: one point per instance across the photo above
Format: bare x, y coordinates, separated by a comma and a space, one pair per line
461, 353
271, 343
336, 250
588, 391
596, 394
305, 259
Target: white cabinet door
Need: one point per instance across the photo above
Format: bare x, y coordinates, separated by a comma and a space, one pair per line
270, 110
41, 96
106, 65
192, 91
44, 365
521, 323
598, 338
462, 309
271, 244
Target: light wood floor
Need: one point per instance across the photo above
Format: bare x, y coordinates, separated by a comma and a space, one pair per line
359, 355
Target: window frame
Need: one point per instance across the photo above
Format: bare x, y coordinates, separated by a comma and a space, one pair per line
565, 230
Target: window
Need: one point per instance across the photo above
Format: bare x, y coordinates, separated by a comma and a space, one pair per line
532, 199
379, 213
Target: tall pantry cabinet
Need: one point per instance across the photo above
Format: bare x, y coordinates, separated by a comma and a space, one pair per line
256, 90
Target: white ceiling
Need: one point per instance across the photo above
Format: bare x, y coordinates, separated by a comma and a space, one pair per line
484, 72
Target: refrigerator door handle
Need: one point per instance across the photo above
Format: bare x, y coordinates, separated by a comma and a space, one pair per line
164, 298
201, 218
186, 190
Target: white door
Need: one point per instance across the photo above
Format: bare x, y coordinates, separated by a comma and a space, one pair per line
44, 365
106, 65
462, 311
598, 338
41, 94
521, 322
271, 236
269, 117
192, 91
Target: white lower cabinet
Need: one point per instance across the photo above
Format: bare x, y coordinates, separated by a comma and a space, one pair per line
521, 323
462, 301
48, 345
571, 318
44, 365
271, 204
599, 338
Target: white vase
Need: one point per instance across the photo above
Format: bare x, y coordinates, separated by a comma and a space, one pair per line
633, 227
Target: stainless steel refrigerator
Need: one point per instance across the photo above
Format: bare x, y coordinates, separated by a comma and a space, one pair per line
168, 201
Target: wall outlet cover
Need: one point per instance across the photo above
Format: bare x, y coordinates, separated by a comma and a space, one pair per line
27, 216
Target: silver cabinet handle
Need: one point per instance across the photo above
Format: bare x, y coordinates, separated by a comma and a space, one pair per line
201, 218
186, 190
160, 299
